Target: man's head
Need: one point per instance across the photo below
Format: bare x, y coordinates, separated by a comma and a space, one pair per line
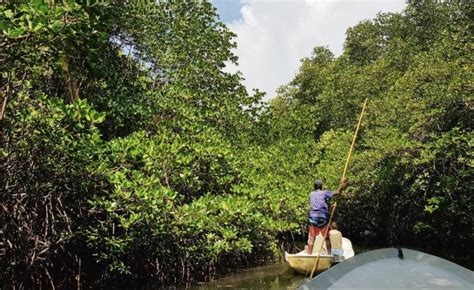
318, 184
333, 226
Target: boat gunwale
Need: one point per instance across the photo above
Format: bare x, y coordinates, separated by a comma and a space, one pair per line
307, 256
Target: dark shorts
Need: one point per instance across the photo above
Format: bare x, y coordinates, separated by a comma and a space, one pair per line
317, 221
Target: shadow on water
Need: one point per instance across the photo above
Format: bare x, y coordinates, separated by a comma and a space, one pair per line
274, 276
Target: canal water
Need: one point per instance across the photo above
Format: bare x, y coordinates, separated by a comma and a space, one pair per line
275, 276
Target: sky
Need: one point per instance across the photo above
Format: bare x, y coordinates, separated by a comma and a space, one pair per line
274, 35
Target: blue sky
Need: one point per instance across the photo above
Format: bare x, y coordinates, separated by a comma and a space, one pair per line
229, 10
274, 35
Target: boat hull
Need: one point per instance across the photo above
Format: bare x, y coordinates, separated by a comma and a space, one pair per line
304, 263
393, 268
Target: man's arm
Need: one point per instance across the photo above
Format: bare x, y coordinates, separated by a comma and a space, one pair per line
342, 185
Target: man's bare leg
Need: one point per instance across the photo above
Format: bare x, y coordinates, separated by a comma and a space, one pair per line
328, 246
309, 247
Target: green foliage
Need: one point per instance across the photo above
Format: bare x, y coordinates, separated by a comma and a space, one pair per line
121, 121
409, 173
129, 158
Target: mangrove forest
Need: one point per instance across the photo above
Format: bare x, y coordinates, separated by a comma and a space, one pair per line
130, 157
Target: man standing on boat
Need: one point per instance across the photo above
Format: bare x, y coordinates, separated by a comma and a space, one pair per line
318, 214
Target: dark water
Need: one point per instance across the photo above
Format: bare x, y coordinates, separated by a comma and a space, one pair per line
275, 276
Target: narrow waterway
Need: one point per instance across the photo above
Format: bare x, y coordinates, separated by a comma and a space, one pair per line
275, 276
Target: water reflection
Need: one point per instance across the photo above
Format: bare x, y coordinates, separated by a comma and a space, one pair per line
275, 276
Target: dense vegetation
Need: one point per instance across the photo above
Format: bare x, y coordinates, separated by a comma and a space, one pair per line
412, 167
128, 156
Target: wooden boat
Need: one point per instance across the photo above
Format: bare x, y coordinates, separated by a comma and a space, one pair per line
304, 263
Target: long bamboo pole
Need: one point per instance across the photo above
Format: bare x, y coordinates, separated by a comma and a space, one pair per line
346, 167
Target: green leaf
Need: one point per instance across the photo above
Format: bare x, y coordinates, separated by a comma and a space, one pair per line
8, 13
16, 33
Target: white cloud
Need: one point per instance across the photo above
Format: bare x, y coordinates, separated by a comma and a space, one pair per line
273, 36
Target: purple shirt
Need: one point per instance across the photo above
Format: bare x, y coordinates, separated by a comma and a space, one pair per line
317, 203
